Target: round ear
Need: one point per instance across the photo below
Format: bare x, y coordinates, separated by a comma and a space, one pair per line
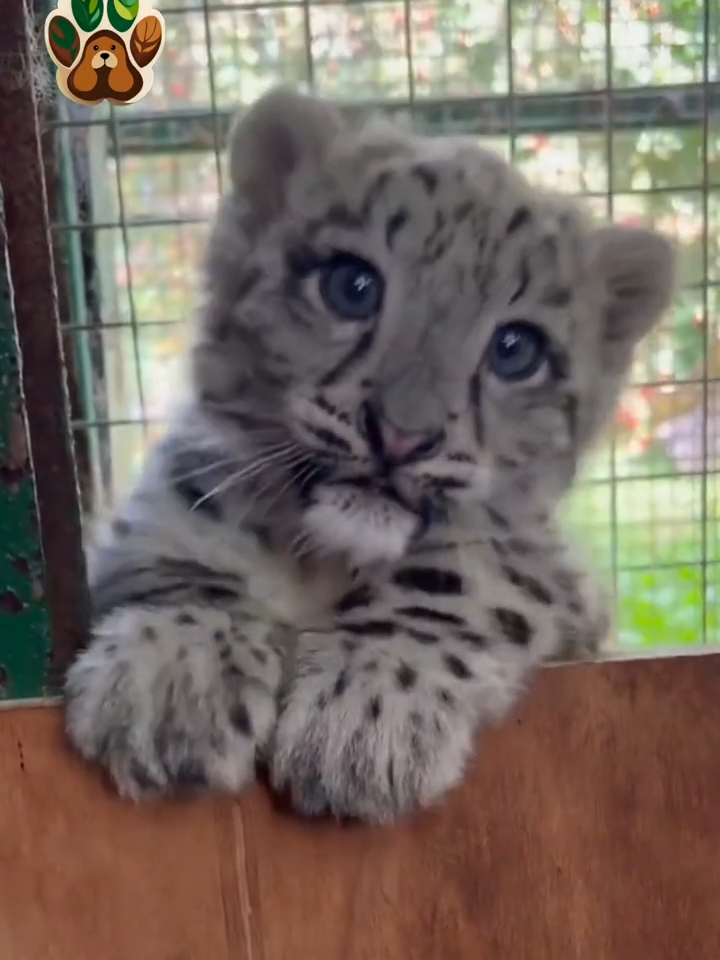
280, 133
636, 268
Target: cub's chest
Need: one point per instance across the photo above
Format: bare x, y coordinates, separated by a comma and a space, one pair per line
299, 596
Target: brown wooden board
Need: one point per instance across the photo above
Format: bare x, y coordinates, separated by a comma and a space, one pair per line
589, 829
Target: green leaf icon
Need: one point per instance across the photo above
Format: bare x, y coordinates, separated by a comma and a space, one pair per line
87, 14
122, 13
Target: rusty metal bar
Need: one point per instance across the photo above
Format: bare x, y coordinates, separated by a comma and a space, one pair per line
36, 316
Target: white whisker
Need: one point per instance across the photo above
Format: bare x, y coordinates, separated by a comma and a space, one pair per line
205, 469
251, 470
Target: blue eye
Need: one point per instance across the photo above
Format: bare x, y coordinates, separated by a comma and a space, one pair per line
351, 287
517, 351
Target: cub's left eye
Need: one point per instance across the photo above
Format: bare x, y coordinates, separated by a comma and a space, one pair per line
517, 351
351, 287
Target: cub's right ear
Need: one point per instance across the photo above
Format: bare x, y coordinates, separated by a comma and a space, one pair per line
283, 131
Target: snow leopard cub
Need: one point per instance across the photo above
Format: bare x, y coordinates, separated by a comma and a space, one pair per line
342, 560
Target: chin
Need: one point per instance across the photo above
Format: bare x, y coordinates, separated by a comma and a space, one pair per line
365, 526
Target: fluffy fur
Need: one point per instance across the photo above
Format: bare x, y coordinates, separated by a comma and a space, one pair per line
271, 591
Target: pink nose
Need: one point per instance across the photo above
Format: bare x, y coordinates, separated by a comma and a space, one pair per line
391, 444
398, 444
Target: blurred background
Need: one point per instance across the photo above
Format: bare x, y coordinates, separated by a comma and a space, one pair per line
617, 100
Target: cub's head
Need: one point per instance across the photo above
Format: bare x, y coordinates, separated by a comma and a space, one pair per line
428, 331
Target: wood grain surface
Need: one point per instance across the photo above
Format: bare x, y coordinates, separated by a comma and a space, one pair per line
589, 829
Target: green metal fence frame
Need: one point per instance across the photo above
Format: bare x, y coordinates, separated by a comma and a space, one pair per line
44, 608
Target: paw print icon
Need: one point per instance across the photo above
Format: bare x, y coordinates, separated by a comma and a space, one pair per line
104, 49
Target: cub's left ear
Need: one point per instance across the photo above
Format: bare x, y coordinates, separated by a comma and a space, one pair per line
636, 268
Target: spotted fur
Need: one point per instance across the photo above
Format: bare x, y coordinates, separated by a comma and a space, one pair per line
275, 589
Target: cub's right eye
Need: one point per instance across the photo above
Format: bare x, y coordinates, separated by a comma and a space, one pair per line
96, 47
351, 288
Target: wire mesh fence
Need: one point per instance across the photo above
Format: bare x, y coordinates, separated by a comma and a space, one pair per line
616, 100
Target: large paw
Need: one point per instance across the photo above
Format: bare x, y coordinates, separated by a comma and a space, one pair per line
370, 736
172, 699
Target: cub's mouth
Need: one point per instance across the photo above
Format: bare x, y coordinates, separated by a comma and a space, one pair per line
367, 518
375, 489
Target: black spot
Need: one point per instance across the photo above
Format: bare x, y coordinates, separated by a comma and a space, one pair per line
213, 592
570, 406
371, 628
430, 580
476, 640
435, 616
463, 211
457, 667
259, 655
520, 546
357, 597
233, 671
374, 708
225, 652
371, 666
121, 528
406, 676
189, 774
474, 394
377, 187
514, 625
341, 684
499, 546
185, 619
523, 282
240, 719
446, 698
422, 636
528, 585
426, 176
329, 438
566, 581
391, 776
497, 518
219, 636
321, 702
556, 297
519, 219
349, 646
341, 216
353, 356
416, 719
142, 776
395, 223
320, 401
150, 634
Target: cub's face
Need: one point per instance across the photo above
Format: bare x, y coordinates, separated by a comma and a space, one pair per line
427, 329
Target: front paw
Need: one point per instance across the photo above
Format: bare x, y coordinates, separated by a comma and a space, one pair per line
172, 699
369, 741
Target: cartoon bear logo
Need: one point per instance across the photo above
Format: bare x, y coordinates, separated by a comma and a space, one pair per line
94, 60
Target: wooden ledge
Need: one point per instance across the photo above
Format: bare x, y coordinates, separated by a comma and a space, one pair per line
588, 830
